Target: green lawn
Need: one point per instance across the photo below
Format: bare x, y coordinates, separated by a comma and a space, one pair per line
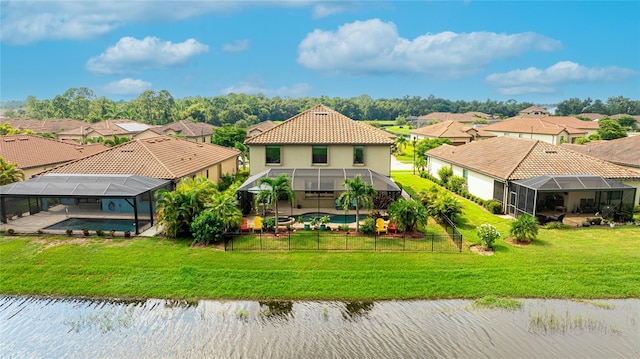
577, 263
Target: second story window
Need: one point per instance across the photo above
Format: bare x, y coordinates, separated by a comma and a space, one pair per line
319, 155
273, 155
358, 155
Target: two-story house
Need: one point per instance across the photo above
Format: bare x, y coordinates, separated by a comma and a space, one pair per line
319, 148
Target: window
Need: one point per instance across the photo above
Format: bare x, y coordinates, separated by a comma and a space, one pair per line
273, 154
319, 154
358, 155
465, 174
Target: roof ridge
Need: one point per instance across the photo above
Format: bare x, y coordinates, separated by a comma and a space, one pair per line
521, 160
154, 156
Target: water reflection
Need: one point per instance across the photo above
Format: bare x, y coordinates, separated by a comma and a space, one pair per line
63, 328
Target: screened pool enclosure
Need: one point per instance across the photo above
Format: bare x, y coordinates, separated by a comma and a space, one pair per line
316, 188
571, 193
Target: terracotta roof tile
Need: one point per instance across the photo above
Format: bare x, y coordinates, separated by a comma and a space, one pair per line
566, 121
449, 129
261, 127
623, 151
528, 124
534, 109
189, 128
511, 158
41, 126
460, 117
322, 125
165, 157
33, 151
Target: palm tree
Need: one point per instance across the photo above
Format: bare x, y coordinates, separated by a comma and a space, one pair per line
359, 192
279, 186
408, 214
116, 141
401, 141
225, 204
10, 173
525, 227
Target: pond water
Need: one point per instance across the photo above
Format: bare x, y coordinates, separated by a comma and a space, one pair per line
80, 328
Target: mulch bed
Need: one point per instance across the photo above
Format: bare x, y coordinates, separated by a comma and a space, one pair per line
512, 241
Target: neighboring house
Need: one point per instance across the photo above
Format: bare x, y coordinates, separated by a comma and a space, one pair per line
162, 157
457, 132
468, 117
590, 127
260, 128
105, 129
534, 110
319, 148
192, 131
622, 151
34, 154
496, 168
53, 126
592, 116
536, 129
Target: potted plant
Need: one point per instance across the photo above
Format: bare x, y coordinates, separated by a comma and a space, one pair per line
127, 234
323, 222
314, 222
69, 232
85, 231
112, 232
300, 220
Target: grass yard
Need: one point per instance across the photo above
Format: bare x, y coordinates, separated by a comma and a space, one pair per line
585, 263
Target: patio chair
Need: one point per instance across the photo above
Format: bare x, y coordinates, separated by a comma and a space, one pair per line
556, 218
244, 226
380, 226
257, 224
392, 227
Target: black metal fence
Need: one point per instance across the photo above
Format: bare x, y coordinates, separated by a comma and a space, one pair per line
345, 241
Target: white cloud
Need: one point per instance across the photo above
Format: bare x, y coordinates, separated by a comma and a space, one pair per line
127, 87
327, 9
132, 55
374, 46
534, 80
25, 22
238, 46
246, 87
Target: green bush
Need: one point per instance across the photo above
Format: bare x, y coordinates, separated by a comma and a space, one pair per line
586, 223
368, 226
269, 224
207, 227
457, 184
445, 173
557, 225
595, 221
524, 227
99, 233
493, 206
488, 235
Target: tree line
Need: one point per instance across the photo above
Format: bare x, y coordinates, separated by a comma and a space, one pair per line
242, 110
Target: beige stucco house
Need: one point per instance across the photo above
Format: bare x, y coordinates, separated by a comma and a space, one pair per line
495, 168
535, 128
321, 147
35, 154
459, 133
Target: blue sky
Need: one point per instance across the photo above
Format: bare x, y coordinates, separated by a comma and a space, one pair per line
534, 51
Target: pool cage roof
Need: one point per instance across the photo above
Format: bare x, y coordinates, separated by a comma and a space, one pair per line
322, 179
567, 183
78, 185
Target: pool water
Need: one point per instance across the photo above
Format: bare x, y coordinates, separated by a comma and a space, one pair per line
93, 224
334, 218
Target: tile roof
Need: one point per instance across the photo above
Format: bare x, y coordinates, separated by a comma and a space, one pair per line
531, 124
623, 151
33, 151
450, 129
41, 126
533, 110
567, 121
261, 127
188, 128
511, 158
460, 117
322, 125
165, 157
591, 115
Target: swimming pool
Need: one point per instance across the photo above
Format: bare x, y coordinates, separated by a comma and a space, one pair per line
334, 218
93, 224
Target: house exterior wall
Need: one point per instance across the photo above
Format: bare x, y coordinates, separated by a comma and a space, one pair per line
478, 184
376, 158
535, 136
145, 134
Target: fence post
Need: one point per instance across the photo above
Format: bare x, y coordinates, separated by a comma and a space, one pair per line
432, 241
404, 242
289, 240
346, 241
260, 240
375, 241
318, 239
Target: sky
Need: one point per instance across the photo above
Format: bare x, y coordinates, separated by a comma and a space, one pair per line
528, 51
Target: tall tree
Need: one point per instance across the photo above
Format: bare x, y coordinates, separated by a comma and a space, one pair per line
610, 129
277, 187
9, 172
116, 140
408, 214
358, 192
227, 136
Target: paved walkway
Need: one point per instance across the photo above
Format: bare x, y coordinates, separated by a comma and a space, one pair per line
399, 166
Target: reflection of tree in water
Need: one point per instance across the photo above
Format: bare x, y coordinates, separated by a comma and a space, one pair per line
276, 308
180, 303
353, 310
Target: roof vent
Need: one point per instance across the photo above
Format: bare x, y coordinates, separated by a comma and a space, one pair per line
321, 113
126, 150
551, 151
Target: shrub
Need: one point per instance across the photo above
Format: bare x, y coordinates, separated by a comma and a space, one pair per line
457, 184
99, 232
445, 205
127, 234
69, 232
269, 223
206, 227
112, 232
368, 226
595, 221
445, 173
343, 227
493, 206
85, 231
40, 231
488, 235
11, 231
524, 227
557, 225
